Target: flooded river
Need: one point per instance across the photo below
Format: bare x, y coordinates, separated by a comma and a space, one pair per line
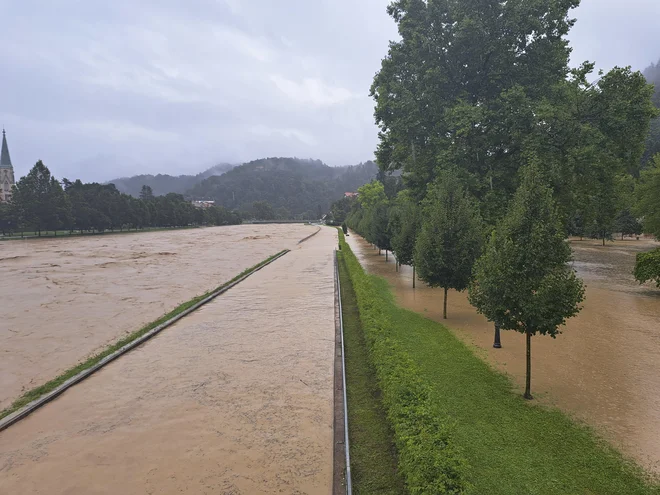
236, 398
605, 367
65, 299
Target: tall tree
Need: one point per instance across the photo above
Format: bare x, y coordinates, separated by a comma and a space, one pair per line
464, 86
404, 225
648, 197
450, 238
40, 200
523, 281
146, 193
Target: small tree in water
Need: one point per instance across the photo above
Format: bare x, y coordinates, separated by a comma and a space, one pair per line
523, 280
450, 237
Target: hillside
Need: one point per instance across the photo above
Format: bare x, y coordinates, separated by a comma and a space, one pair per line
162, 184
291, 184
652, 74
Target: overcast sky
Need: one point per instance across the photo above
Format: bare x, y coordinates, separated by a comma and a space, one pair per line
102, 89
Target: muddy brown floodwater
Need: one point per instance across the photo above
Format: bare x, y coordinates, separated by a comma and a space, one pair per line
65, 299
236, 398
604, 369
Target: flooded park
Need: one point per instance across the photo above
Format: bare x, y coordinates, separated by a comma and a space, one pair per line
604, 369
65, 299
235, 398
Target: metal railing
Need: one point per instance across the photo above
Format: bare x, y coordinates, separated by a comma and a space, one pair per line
349, 487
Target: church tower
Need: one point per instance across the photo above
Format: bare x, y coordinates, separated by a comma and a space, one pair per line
6, 172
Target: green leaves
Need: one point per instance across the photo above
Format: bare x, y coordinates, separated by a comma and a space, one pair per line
523, 280
450, 237
405, 220
648, 197
428, 458
647, 267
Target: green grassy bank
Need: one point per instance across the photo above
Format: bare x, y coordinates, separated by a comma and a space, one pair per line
373, 457
51, 385
508, 445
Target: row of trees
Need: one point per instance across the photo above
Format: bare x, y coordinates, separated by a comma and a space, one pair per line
517, 273
40, 203
503, 150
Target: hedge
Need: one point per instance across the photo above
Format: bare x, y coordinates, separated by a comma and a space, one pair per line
428, 458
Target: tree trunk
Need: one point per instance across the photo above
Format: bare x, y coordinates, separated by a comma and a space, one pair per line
603, 241
386, 255
413, 276
621, 236
528, 380
444, 309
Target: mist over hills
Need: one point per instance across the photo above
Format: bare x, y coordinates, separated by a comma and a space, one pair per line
162, 184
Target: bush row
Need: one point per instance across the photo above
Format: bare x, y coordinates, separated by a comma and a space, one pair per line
428, 459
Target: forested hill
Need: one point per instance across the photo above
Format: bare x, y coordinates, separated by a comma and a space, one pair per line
163, 184
652, 74
291, 184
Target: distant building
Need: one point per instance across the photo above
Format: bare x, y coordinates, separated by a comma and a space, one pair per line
203, 204
6, 172
350, 195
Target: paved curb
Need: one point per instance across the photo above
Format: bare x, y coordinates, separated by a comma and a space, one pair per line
16, 416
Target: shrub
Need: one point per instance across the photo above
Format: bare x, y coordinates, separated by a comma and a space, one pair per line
647, 267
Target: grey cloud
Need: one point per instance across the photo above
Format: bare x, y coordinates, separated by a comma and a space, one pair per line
102, 89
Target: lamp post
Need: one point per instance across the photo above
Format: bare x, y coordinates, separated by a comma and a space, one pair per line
497, 344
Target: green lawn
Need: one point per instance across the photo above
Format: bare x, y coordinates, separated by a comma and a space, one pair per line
512, 446
373, 460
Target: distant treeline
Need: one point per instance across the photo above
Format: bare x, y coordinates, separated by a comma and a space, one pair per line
40, 203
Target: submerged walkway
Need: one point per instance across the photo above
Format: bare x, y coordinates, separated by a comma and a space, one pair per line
236, 398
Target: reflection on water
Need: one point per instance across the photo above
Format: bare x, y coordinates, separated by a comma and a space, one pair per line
235, 398
64, 299
604, 368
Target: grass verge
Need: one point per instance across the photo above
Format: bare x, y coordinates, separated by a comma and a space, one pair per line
428, 459
51, 385
373, 458
511, 446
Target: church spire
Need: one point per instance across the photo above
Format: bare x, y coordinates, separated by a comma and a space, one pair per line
5, 160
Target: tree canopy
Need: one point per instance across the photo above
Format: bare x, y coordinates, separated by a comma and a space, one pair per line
450, 237
41, 203
485, 87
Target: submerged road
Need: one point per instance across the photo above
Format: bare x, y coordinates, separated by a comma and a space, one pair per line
236, 398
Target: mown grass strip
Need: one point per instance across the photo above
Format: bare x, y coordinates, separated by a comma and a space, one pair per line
511, 446
53, 384
373, 457
428, 460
